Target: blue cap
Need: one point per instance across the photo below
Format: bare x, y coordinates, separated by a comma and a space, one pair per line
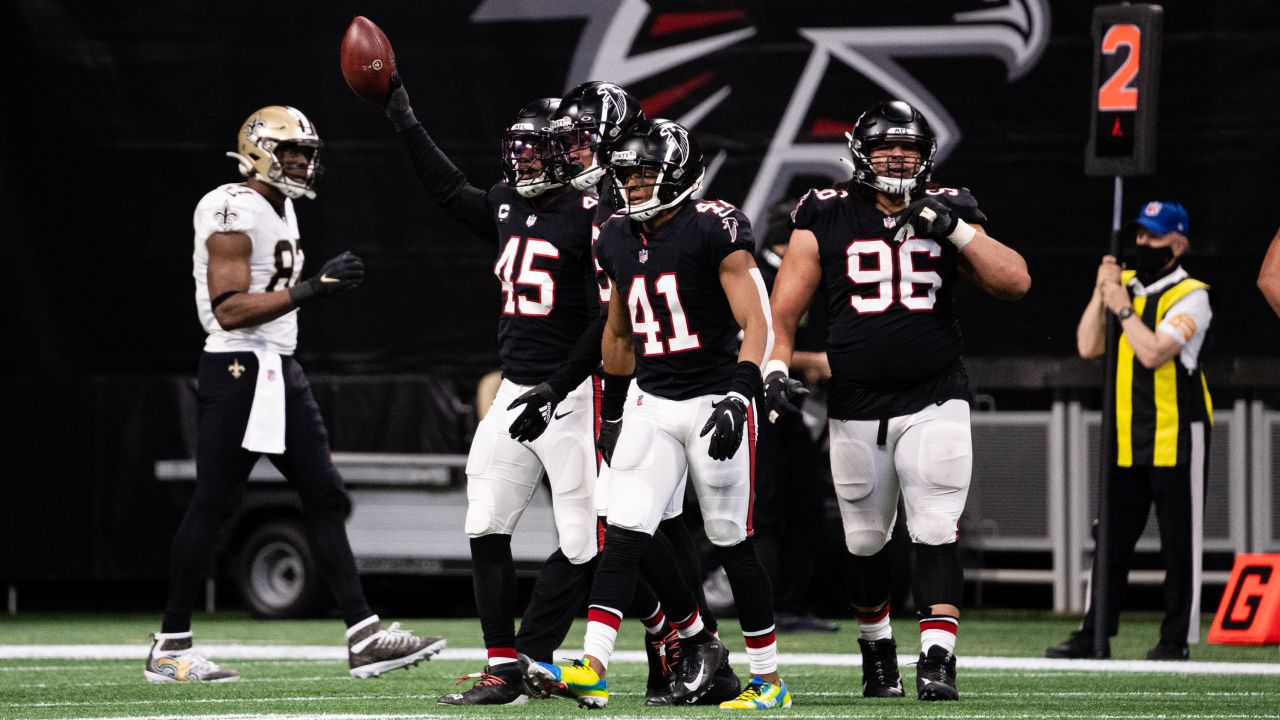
1163, 217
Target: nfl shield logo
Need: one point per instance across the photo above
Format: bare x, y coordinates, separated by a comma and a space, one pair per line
889, 221
271, 375
644, 255
532, 219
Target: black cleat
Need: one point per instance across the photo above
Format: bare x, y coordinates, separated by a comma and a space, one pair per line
699, 663
1078, 646
664, 663
1169, 651
936, 675
725, 686
880, 677
503, 685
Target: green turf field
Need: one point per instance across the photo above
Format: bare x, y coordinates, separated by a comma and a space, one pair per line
48, 687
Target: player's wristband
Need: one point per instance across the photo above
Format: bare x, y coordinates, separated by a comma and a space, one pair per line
614, 396
747, 381
962, 235
302, 292
776, 365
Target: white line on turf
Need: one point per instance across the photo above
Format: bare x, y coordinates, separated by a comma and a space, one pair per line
328, 652
790, 714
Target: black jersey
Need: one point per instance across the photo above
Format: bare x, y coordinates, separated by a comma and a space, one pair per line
686, 337
894, 341
547, 278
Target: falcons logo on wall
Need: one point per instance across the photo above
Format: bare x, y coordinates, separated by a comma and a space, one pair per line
688, 65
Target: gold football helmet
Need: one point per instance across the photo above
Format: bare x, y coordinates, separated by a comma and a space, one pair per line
260, 139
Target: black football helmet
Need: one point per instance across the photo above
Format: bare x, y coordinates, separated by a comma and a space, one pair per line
887, 122
525, 163
594, 114
666, 147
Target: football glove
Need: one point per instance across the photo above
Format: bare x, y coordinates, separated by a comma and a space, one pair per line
344, 272
783, 394
539, 402
929, 218
398, 110
607, 440
728, 418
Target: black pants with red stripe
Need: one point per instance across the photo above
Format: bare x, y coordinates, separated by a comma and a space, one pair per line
226, 389
1178, 495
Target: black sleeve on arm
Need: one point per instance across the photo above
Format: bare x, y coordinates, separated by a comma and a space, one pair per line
582, 360
446, 184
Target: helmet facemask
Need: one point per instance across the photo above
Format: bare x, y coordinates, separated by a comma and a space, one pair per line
525, 163
568, 140
666, 192
268, 145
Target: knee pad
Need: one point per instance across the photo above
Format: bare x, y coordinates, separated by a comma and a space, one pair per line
724, 532
864, 542
578, 537
939, 576
932, 528
482, 510
631, 503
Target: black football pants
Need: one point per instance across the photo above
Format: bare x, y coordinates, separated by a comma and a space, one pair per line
222, 469
1180, 513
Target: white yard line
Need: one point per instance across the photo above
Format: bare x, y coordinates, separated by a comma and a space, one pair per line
338, 653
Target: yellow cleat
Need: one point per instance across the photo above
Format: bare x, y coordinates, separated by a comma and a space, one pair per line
576, 682
760, 695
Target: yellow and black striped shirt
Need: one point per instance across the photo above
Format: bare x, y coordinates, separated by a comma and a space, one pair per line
1155, 408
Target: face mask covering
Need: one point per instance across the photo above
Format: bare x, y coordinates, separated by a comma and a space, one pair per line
1151, 262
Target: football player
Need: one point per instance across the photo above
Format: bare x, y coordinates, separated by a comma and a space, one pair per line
255, 398
685, 281
886, 252
591, 117
546, 416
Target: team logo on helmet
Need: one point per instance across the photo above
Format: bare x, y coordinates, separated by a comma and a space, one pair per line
677, 147
613, 105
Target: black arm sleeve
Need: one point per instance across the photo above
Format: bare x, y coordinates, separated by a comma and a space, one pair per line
446, 184
582, 360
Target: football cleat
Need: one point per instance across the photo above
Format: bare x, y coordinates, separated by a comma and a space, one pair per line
664, 662
725, 686
699, 663
576, 682
936, 675
880, 677
371, 650
172, 659
501, 685
760, 695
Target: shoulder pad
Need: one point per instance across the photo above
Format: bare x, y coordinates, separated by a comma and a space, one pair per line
813, 204
230, 208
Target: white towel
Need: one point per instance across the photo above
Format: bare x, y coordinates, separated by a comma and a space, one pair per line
264, 432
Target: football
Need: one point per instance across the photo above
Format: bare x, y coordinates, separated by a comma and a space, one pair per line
367, 60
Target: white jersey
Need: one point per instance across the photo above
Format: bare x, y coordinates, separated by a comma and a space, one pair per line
275, 263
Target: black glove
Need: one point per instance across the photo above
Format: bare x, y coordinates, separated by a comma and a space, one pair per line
344, 272
784, 394
539, 402
607, 440
728, 418
929, 218
397, 108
